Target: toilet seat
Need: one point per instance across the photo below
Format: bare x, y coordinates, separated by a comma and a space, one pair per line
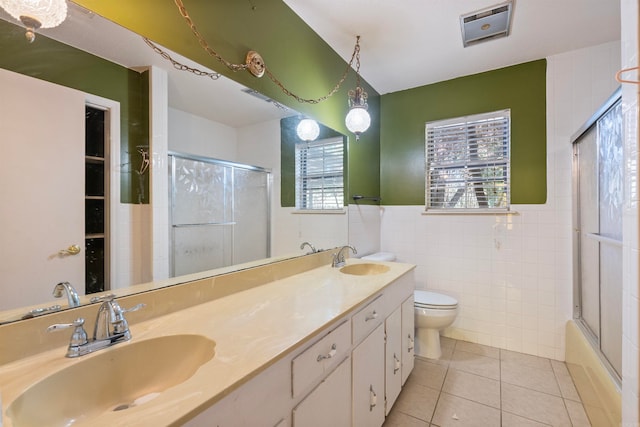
433, 300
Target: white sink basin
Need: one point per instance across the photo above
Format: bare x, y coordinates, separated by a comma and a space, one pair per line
114, 379
364, 269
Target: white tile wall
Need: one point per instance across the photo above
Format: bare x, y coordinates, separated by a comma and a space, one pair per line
512, 274
364, 228
630, 324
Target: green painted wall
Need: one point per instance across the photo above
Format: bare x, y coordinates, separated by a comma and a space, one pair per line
288, 140
291, 50
522, 88
58, 63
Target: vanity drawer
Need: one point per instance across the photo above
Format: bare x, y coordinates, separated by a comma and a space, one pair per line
367, 319
320, 358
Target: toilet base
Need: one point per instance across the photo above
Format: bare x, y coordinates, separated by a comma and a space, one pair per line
428, 343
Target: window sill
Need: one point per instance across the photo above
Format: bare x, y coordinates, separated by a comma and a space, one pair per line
319, 211
469, 212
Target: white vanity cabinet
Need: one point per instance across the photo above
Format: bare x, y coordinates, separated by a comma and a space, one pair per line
349, 374
329, 404
393, 358
408, 337
264, 401
368, 380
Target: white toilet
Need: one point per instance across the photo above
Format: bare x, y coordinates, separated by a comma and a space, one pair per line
434, 312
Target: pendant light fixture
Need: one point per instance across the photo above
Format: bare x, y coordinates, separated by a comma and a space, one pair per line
308, 130
358, 119
35, 14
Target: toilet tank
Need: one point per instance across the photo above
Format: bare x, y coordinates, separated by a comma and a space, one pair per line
380, 256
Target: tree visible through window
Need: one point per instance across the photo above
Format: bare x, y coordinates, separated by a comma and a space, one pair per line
468, 162
319, 174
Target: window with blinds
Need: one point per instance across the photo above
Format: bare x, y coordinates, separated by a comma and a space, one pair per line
468, 162
319, 174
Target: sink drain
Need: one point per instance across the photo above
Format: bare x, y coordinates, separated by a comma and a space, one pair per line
121, 407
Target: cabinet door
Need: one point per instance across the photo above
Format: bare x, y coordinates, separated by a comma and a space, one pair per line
408, 331
393, 355
368, 380
329, 404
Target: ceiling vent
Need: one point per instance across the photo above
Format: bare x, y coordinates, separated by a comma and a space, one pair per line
486, 24
258, 95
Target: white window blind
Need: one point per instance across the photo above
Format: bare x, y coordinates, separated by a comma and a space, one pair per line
319, 174
468, 162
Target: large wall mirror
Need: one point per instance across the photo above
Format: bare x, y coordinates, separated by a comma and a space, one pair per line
44, 166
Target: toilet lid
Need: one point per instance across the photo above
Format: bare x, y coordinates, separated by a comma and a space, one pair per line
427, 299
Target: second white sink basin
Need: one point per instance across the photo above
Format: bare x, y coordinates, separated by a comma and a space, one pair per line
364, 269
114, 379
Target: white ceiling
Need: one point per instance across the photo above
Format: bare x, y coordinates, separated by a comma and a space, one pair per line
405, 44
411, 43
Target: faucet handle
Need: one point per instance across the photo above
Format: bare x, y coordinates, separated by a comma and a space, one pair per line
107, 297
79, 336
119, 323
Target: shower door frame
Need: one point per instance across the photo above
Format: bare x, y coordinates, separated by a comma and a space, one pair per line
220, 162
594, 340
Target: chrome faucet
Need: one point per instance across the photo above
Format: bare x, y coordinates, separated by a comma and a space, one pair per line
72, 295
313, 249
111, 328
338, 257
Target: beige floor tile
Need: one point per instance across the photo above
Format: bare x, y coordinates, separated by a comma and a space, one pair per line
577, 414
417, 401
525, 359
400, 419
473, 387
483, 350
446, 342
534, 405
428, 374
512, 420
476, 364
529, 377
565, 382
458, 412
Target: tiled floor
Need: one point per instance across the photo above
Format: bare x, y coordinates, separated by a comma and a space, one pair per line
476, 385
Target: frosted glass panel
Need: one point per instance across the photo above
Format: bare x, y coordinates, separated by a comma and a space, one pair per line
588, 177
611, 169
200, 192
251, 214
201, 248
590, 274
611, 304
589, 248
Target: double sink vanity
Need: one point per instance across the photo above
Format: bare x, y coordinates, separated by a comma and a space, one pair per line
293, 343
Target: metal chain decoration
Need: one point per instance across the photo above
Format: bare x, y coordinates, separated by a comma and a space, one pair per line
178, 65
256, 65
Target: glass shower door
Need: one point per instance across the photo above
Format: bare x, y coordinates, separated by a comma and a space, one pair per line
201, 216
219, 213
598, 217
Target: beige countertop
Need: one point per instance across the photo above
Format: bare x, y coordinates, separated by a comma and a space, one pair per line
252, 330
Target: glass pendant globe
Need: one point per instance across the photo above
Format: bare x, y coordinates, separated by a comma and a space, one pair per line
358, 120
48, 13
308, 130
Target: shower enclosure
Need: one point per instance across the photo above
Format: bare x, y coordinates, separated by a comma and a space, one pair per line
219, 213
597, 210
